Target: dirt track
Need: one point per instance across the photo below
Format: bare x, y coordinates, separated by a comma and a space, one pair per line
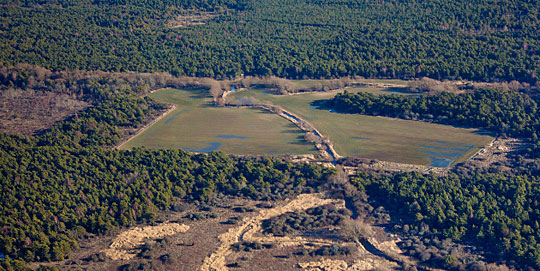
339, 265
217, 261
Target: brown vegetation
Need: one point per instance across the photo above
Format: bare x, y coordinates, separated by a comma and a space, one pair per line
33, 98
26, 112
433, 86
124, 245
248, 227
191, 17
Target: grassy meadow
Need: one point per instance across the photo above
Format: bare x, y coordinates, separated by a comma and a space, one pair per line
381, 138
196, 125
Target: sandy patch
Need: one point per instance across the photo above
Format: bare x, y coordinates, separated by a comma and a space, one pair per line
339, 265
124, 246
251, 225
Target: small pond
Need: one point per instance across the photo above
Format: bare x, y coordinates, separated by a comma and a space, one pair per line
232, 136
213, 146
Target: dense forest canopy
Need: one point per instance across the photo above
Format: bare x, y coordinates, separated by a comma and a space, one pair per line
497, 211
478, 40
67, 182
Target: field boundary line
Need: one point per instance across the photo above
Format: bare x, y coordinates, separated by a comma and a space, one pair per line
146, 126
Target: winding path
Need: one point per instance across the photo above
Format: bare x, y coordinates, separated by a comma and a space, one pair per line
217, 260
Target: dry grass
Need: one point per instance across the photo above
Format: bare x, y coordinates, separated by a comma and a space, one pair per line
124, 246
191, 17
217, 261
26, 111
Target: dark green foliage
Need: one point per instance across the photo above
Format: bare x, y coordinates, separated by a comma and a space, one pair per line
137, 266
48, 191
503, 112
311, 219
479, 40
500, 213
332, 250
99, 125
246, 246
7, 264
200, 216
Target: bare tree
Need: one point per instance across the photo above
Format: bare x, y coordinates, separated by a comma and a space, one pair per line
431, 85
355, 230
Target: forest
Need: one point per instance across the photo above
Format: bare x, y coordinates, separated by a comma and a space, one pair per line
495, 211
480, 40
68, 182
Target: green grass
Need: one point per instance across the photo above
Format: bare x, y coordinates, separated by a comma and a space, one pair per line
195, 123
378, 137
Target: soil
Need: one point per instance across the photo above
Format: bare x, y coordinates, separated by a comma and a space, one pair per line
217, 261
496, 153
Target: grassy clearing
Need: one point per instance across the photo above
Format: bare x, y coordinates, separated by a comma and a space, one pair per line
379, 137
197, 125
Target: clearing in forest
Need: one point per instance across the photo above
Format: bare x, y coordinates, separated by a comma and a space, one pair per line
197, 125
387, 139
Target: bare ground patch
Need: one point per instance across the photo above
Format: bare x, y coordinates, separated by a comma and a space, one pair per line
191, 18
27, 112
124, 246
218, 259
496, 153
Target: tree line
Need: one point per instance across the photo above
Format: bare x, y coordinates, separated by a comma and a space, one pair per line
496, 212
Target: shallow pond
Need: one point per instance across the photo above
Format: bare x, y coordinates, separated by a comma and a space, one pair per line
442, 158
213, 146
232, 136
440, 162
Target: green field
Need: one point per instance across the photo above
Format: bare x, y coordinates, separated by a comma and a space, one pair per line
379, 137
197, 125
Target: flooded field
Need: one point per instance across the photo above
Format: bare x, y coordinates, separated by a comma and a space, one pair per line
197, 126
387, 139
